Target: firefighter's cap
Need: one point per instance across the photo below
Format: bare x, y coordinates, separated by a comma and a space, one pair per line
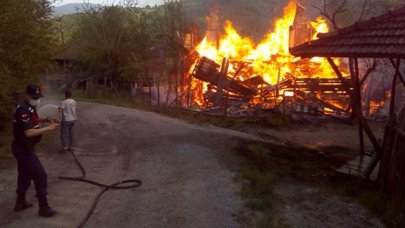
34, 90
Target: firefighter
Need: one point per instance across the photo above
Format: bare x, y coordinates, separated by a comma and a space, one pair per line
27, 133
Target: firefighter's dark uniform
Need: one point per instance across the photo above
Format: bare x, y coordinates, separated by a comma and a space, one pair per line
23, 148
29, 166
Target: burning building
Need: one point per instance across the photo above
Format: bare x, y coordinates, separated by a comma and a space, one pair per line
235, 71
301, 30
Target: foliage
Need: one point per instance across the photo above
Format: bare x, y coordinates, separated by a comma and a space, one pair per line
26, 45
104, 40
118, 42
6, 157
65, 25
242, 13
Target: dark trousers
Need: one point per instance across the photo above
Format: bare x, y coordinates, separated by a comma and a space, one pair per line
30, 168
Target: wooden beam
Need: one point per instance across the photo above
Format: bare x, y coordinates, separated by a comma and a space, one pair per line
354, 95
358, 92
221, 82
401, 79
225, 73
339, 74
370, 134
376, 145
393, 90
239, 70
391, 123
400, 75
368, 73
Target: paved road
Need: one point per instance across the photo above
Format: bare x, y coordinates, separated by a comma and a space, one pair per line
187, 173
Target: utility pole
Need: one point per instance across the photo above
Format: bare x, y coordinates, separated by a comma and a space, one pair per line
61, 30
61, 50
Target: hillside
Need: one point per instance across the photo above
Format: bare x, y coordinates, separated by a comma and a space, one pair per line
73, 8
70, 9
253, 18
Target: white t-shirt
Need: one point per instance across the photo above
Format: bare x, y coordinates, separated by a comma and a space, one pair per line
69, 110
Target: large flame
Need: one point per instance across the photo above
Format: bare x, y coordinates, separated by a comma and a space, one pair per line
270, 58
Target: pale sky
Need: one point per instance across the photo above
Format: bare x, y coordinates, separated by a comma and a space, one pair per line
141, 2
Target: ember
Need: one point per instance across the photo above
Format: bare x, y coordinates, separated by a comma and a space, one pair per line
237, 71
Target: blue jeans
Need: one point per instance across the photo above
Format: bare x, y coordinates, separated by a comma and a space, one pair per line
67, 134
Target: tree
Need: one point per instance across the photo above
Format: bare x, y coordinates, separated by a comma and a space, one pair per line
341, 13
175, 31
109, 42
26, 47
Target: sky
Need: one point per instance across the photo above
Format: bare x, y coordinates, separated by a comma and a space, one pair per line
141, 2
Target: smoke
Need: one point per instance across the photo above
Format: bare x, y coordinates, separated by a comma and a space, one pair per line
49, 110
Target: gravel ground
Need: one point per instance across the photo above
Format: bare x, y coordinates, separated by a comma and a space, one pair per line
187, 173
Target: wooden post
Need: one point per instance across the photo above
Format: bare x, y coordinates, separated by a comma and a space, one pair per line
393, 90
355, 104
358, 92
220, 83
388, 134
189, 95
158, 94
399, 73
401, 79
278, 89
169, 82
176, 85
225, 73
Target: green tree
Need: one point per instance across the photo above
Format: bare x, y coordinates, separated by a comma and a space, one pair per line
113, 42
26, 47
175, 28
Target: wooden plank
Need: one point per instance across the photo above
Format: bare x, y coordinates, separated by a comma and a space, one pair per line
394, 89
339, 74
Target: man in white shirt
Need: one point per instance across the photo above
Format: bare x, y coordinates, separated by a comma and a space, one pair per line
68, 110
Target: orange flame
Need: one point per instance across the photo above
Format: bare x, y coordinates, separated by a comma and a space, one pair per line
270, 58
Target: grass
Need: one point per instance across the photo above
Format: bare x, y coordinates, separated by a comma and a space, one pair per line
262, 165
367, 194
257, 182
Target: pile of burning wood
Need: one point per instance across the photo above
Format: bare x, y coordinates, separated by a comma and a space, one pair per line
291, 94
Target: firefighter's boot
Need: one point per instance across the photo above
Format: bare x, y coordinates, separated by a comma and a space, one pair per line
21, 203
44, 209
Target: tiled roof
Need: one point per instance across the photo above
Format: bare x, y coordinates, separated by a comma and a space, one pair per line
379, 37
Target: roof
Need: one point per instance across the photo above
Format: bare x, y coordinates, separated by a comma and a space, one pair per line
379, 37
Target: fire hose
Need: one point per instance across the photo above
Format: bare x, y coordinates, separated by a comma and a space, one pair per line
121, 185
126, 184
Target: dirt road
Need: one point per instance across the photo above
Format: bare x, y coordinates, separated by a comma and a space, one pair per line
186, 172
